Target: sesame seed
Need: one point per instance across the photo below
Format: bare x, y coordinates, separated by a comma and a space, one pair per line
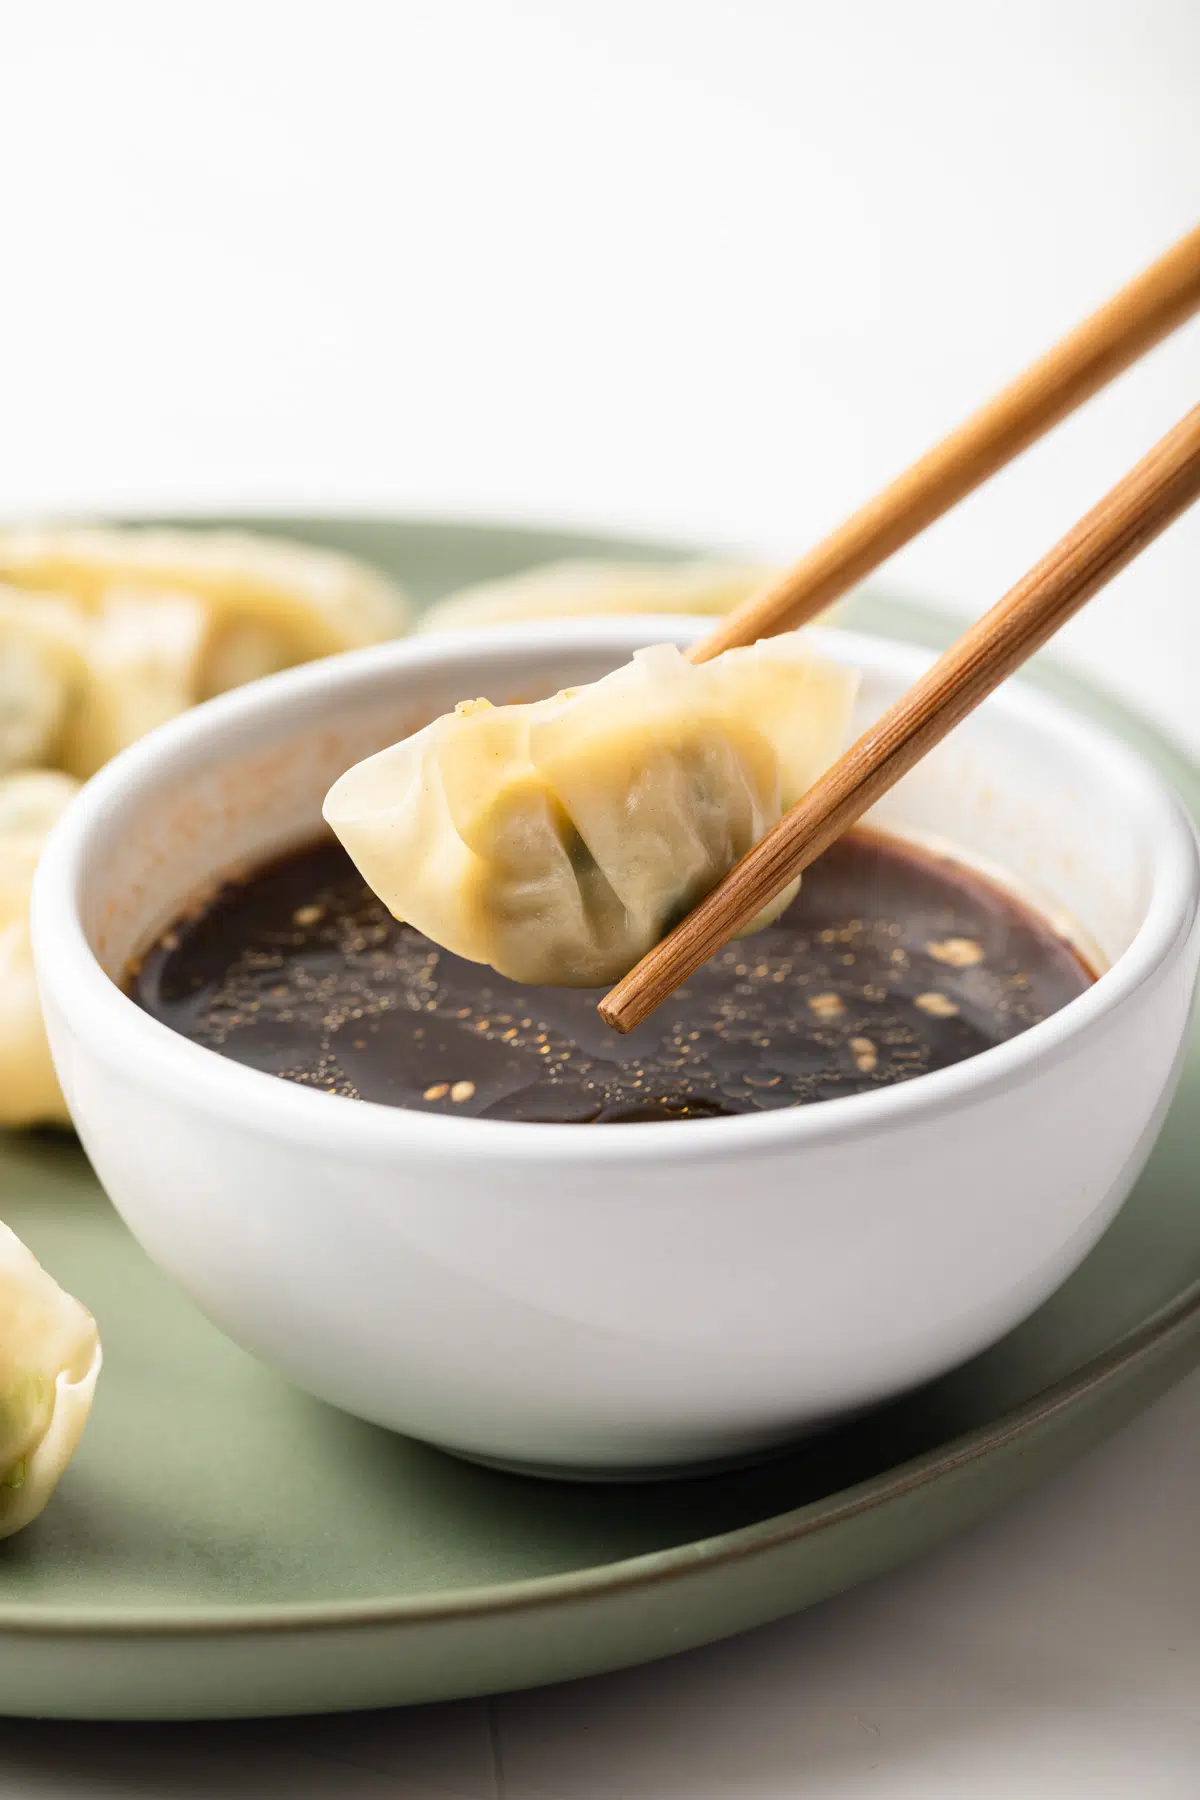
938, 1006
957, 952
826, 1006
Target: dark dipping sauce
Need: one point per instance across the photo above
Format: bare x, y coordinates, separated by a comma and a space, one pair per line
891, 962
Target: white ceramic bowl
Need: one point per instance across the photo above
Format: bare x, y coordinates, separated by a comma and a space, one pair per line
635, 1297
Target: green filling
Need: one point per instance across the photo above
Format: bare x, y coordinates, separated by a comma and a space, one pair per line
25, 1413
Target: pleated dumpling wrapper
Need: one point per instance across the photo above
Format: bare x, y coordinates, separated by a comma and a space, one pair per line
178, 616
145, 663
560, 590
30, 802
41, 670
49, 1361
559, 841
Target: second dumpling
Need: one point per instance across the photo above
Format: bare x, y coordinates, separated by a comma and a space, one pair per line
559, 841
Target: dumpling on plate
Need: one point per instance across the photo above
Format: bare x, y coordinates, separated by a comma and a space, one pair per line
30, 802
272, 602
41, 661
29, 1090
559, 841
49, 1363
168, 618
106, 632
144, 658
557, 590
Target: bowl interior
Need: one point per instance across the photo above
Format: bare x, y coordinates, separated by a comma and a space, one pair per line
1051, 805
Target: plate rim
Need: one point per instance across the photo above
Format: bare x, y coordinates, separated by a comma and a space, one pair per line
1170, 1325
631, 1574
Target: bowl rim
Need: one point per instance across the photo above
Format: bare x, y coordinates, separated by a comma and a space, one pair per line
96, 1010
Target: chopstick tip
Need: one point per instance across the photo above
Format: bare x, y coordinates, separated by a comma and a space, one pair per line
614, 1013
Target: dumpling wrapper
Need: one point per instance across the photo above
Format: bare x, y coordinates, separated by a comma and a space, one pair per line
106, 633
272, 603
50, 1360
559, 841
41, 667
30, 802
29, 1089
144, 662
559, 590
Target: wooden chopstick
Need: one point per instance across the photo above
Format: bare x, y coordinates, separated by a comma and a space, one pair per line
1129, 517
1132, 322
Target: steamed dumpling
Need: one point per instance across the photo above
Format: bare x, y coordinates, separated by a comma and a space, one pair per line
559, 841
167, 618
49, 1362
29, 1090
144, 656
30, 802
106, 633
574, 589
272, 603
40, 669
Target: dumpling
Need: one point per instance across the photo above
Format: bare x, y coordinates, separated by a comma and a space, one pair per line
29, 1089
559, 841
40, 669
106, 633
272, 602
30, 802
144, 657
49, 1363
167, 618
574, 589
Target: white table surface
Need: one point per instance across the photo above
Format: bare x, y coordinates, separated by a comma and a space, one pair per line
701, 268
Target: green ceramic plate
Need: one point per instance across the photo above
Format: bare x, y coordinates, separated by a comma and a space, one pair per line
225, 1545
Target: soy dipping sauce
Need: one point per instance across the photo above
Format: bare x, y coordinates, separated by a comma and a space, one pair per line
890, 963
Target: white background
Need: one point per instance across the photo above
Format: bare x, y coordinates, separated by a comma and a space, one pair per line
700, 268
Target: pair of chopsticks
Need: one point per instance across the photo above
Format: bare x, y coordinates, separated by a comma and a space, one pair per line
1129, 517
